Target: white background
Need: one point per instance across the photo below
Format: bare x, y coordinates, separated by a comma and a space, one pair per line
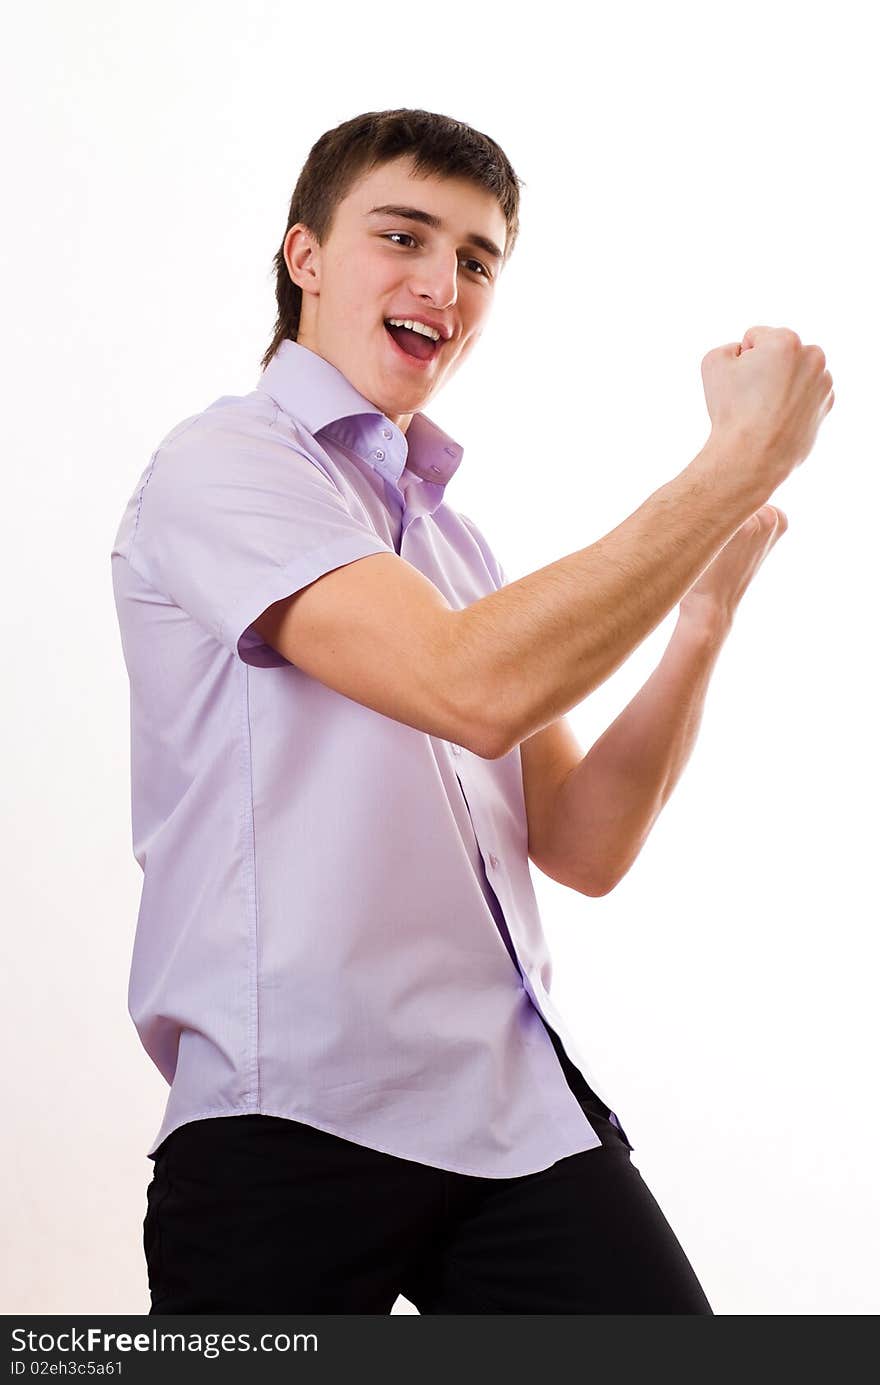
690, 171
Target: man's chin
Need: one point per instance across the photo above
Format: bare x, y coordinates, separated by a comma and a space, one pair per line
401, 397
384, 381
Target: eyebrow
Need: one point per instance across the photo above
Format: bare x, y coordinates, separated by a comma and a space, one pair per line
429, 219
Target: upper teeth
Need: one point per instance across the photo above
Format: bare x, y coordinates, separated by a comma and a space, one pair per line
415, 327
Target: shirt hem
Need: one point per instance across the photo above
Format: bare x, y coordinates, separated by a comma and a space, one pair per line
259, 1109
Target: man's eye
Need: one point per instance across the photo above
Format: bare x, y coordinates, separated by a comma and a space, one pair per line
389, 235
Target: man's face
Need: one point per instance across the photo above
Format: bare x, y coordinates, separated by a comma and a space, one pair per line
379, 265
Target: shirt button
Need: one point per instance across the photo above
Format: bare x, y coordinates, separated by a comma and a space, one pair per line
386, 432
379, 454
456, 750
493, 860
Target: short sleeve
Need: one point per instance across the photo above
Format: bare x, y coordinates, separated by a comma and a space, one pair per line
230, 523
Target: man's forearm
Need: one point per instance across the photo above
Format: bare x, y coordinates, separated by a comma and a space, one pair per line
611, 800
528, 653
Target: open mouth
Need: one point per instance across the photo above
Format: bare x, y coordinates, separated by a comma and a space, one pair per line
416, 347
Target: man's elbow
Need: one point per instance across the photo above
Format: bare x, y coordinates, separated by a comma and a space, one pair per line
574, 878
589, 885
492, 742
484, 730
493, 725
599, 891
599, 887
483, 703
592, 883
486, 745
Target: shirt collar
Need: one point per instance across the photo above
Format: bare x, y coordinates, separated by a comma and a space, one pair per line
318, 395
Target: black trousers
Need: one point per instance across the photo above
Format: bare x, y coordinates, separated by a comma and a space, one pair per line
263, 1214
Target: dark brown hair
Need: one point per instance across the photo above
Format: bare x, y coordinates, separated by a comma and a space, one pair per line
436, 143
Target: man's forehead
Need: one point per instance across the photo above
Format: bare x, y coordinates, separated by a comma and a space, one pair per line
396, 183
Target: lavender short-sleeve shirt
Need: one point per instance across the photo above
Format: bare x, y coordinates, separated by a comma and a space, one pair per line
337, 921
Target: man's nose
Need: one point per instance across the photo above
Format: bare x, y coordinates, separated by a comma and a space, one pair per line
438, 280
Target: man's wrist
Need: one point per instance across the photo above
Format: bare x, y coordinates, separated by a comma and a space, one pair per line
737, 463
702, 617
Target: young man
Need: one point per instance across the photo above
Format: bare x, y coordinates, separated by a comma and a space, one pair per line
348, 739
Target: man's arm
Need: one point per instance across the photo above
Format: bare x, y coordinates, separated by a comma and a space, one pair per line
499, 670
538, 646
509, 664
547, 758
603, 809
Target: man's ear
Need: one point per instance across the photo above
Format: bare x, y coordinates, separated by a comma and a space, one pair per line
302, 257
